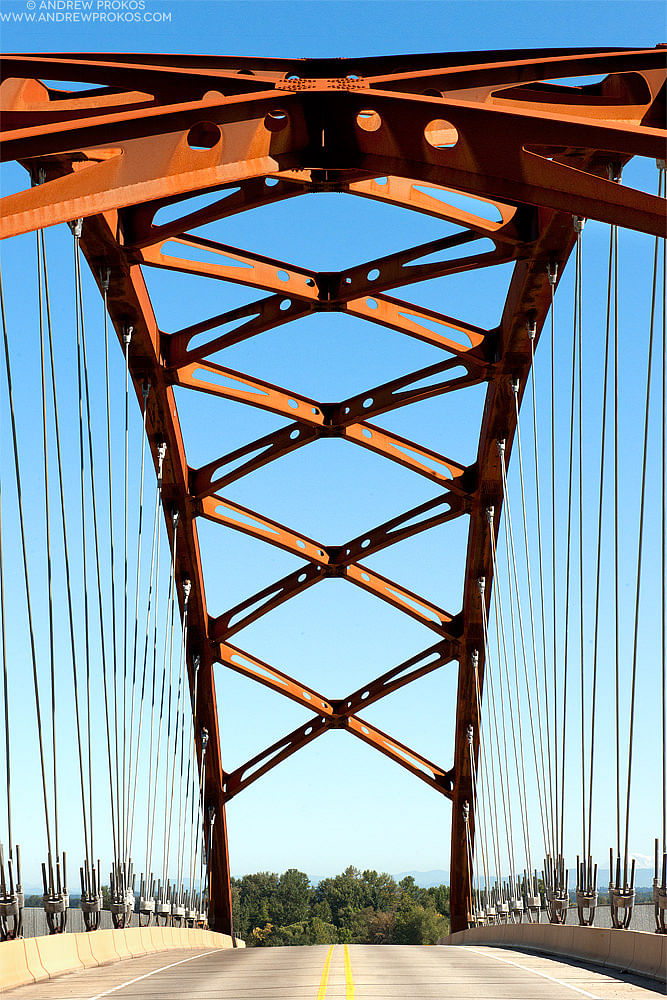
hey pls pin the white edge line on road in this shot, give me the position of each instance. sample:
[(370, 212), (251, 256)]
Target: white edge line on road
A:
[(147, 975), (535, 972)]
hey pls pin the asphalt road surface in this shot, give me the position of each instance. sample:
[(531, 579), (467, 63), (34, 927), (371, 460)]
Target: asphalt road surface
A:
[(342, 972)]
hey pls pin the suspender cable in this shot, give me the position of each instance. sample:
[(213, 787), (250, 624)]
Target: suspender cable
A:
[(98, 572), (169, 639), (487, 788), (617, 615), (154, 545), (540, 725), (112, 577), (5, 681), (63, 519), (514, 577), (47, 526), (195, 766), (598, 572), (640, 551), (177, 728), (577, 286), (162, 450), (503, 772), (547, 710), (554, 576), (518, 754), (128, 838), (127, 336), (663, 532), (170, 616), (26, 580)]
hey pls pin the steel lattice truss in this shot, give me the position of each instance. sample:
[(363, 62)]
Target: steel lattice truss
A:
[(158, 129)]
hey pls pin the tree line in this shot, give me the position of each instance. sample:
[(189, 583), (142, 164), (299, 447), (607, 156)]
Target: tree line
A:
[(351, 908)]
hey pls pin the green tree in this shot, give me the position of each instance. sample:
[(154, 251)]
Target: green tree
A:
[(293, 897), (418, 925)]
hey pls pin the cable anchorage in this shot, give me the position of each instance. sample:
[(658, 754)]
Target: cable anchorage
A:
[(11, 897), (660, 890), (621, 892), (586, 892)]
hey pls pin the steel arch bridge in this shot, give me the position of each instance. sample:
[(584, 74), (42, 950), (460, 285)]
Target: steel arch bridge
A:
[(412, 131)]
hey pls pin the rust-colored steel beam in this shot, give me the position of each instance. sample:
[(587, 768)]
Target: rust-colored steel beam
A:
[(417, 132)]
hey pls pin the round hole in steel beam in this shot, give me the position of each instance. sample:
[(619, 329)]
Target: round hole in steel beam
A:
[(373, 274), (276, 120), (441, 134), (295, 434), (366, 433), (310, 282), (302, 577), (365, 695), (271, 182), (369, 120), (366, 542), (283, 275), (285, 304), (372, 303), (204, 135), (367, 402), (293, 403)]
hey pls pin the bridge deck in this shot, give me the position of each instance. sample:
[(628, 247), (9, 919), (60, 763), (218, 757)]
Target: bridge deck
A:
[(359, 972)]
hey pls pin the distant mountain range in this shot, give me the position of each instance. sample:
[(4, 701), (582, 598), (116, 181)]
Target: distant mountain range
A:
[(425, 880), (643, 878)]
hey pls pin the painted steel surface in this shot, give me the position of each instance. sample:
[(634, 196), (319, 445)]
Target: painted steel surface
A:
[(493, 126)]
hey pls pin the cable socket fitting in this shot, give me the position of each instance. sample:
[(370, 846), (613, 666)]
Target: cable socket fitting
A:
[(127, 335), (514, 383), (500, 445), (466, 811), (105, 278), (187, 587), (578, 222), (204, 739), (470, 733), (161, 453), (196, 663), (552, 272), (174, 518), (76, 227), (481, 585), (490, 513), (531, 327)]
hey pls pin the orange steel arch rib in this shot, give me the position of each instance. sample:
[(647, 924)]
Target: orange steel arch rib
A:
[(153, 130)]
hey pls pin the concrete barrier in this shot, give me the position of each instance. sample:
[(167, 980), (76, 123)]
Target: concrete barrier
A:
[(33, 963), (33, 960), (58, 954), (85, 950), (15, 971), (628, 951)]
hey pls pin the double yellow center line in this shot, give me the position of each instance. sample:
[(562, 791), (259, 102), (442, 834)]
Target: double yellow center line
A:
[(349, 982)]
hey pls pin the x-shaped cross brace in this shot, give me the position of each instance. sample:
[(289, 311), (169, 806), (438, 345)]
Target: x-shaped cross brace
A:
[(337, 715)]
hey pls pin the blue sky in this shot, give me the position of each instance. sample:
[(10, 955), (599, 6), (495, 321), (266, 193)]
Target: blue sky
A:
[(337, 802)]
